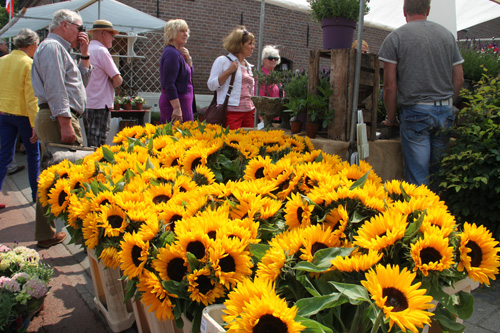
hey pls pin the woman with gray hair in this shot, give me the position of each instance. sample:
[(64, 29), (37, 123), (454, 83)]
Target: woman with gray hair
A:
[(270, 59), (18, 106), (176, 98)]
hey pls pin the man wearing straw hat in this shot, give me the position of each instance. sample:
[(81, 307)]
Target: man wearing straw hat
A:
[(101, 88)]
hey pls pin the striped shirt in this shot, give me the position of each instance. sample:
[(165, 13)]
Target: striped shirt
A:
[(246, 104)]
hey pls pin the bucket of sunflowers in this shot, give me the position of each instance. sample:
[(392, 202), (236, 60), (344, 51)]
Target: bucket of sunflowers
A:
[(24, 282), (285, 237)]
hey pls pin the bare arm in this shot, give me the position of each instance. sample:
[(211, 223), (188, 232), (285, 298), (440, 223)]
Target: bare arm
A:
[(457, 79), (177, 112), (117, 80), (390, 92), (67, 132)]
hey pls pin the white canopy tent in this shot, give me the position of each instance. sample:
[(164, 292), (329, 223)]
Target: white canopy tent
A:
[(124, 18), (388, 14)]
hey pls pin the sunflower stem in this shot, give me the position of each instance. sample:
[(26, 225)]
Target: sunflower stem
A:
[(378, 322)]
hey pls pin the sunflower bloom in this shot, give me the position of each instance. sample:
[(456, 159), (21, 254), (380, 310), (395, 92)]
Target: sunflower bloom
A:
[(432, 253), (382, 231), (202, 288), (402, 302), (478, 253), (155, 297), (133, 254)]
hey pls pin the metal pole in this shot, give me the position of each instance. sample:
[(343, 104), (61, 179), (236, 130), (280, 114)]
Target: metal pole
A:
[(259, 55), (99, 10), (357, 71)]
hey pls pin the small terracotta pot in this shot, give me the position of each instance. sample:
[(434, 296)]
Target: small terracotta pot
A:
[(312, 129), (127, 106), (296, 126), (138, 106), (117, 106)]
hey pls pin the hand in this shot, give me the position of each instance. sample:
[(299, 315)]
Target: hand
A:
[(177, 115), (83, 39), (185, 54), (388, 123), (34, 137), (234, 66), (68, 134)]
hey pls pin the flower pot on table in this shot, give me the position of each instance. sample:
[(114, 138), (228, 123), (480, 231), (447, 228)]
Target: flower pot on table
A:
[(109, 295), (338, 32), (295, 126), (117, 106), (312, 130), (138, 106), (127, 106)]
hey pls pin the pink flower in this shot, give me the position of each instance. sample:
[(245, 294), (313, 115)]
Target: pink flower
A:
[(35, 288), (9, 284)]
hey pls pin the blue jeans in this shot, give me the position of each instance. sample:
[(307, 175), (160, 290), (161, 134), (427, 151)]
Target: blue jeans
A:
[(10, 126), (424, 138)]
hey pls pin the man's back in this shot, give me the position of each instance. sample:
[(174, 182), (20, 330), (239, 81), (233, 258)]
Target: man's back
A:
[(425, 53)]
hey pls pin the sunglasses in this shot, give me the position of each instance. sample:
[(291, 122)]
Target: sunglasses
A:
[(79, 27), (270, 58)]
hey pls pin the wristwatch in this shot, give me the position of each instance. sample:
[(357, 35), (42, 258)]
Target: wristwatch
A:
[(85, 57), (390, 122)]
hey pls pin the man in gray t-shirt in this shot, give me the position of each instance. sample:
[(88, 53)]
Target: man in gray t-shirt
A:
[(423, 74)]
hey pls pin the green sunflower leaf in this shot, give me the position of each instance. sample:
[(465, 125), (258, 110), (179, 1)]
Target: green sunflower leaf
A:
[(312, 326), (258, 250), (355, 293), (312, 305)]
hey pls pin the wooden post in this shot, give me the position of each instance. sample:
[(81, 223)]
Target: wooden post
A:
[(313, 74), (338, 100)]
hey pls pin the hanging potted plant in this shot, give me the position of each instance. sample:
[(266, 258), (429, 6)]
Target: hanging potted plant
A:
[(268, 107), (338, 20)]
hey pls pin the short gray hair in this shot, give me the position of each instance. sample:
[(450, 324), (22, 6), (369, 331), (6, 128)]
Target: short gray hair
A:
[(2, 41), (172, 28), (417, 7), (271, 51), (63, 15), (25, 38)]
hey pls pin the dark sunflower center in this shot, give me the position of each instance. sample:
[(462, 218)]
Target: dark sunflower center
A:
[(174, 219), (77, 186), (259, 173), (233, 237), (204, 284), (196, 162), (308, 182), (270, 324), (62, 198), (105, 202), (197, 249), (476, 254), (396, 299), (429, 255), (161, 180), (115, 221), (175, 162), (227, 264), (176, 269), (182, 189), (162, 198), (316, 247), (300, 211), (234, 142), (212, 234), (136, 254)]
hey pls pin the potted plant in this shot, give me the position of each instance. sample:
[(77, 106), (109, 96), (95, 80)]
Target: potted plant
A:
[(268, 107), (24, 282), (137, 102), (117, 103), (126, 102), (296, 107), (318, 112), (295, 85), (338, 20)]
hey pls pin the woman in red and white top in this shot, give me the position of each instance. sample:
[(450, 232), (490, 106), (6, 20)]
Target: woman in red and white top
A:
[(240, 110)]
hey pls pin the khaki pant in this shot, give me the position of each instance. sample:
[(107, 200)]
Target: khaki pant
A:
[(49, 130)]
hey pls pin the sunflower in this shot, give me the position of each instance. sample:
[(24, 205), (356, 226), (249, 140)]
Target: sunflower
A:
[(432, 253), (155, 297), (194, 157), (357, 261), (170, 263), (110, 258), (77, 210), (337, 219), (202, 288), (254, 307), (90, 230), (402, 302), (316, 238), (196, 242), (202, 175), (298, 211), (269, 267), (382, 231), (159, 195), (59, 197), (257, 168), (100, 199), (133, 255), (438, 220), (478, 253), (113, 220), (230, 261)]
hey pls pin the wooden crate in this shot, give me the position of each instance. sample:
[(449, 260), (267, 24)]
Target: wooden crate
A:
[(342, 70)]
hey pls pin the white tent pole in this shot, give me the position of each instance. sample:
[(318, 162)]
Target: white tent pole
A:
[(259, 55), (357, 71), (99, 9)]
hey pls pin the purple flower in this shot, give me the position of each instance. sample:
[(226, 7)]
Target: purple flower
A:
[(9, 284), (35, 288)]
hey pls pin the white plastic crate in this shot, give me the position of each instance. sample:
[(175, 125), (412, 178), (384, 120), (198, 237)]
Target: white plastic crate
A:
[(211, 319)]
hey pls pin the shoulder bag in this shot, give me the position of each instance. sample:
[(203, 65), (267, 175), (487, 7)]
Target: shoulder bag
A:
[(217, 114)]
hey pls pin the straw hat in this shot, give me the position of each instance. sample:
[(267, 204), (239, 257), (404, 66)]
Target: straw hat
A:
[(103, 25)]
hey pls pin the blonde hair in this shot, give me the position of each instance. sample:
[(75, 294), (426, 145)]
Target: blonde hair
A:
[(172, 28), (233, 43)]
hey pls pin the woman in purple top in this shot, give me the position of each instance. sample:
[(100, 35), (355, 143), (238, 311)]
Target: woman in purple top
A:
[(176, 99)]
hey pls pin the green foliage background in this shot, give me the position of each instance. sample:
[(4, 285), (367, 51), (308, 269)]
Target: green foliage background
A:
[(470, 173)]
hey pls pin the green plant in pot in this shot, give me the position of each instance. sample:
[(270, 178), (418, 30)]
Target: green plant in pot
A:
[(295, 86), (338, 20), (318, 112)]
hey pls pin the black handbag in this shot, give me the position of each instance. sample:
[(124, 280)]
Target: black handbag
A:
[(217, 114)]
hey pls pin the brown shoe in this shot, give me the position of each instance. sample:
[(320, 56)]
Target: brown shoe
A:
[(58, 238)]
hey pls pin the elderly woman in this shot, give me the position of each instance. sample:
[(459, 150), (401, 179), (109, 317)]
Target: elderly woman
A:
[(18, 106), (270, 59), (176, 99), (240, 110)]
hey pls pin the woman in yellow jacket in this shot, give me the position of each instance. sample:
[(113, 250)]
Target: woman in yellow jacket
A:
[(18, 106)]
